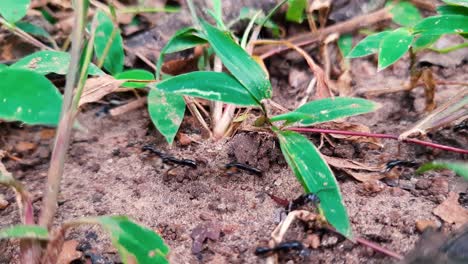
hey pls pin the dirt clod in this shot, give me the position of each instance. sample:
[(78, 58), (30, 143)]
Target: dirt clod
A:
[(423, 224), (203, 231), (423, 184), (439, 186)]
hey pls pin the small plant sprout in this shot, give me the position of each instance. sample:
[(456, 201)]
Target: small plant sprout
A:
[(39, 243), (415, 35)]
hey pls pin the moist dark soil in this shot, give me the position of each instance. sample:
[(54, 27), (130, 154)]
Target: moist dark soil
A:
[(107, 173)]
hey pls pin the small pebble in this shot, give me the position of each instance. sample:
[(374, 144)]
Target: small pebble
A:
[(423, 224), (3, 202), (423, 184), (406, 185), (329, 240)]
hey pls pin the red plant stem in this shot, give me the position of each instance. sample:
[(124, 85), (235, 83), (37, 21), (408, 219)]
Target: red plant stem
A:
[(378, 248), (374, 135)]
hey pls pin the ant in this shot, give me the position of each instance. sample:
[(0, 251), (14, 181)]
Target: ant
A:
[(303, 200), (170, 159), (235, 166), (404, 163), (282, 247)]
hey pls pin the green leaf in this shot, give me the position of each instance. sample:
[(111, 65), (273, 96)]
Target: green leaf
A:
[(368, 45), (217, 13), (345, 44), (114, 60), (136, 74), (452, 10), (393, 46), (445, 24), (33, 29), (295, 11), (315, 176), (216, 86), (48, 61), (167, 112), (28, 97), (183, 39), (13, 10), (242, 66), (3, 66), (25, 231), (457, 2), (460, 168), (424, 41), (405, 14), (134, 241), (327, 109)]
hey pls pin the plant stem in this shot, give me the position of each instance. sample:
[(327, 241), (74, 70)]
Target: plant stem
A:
[(374, 135), (107, 47), (450, 49), (144, 9), (66, 121), (20, 33), (216, 107), (340, 28), (378, 248)]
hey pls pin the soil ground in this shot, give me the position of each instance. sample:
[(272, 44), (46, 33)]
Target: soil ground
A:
[(107, 173)]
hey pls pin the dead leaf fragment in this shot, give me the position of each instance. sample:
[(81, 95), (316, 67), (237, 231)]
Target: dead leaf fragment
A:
[(96, 88), (24, 146), (354, 128), (69, 252), (451, 211), (366, 173)]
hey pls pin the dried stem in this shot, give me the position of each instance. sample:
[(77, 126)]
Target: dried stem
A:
[(340, 28), (374, 135), (66, 121), (323, 89)]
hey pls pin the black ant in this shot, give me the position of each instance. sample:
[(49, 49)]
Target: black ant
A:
[(303, 200), (170, 159), (245, 167), (282, 247), (403, 163)]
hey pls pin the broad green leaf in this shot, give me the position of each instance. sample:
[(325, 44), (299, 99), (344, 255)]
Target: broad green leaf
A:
[(327, 109), (183, 39), (167, 112), (48, 61), (345, 44), (295, 11), (242, 66), (457, 2), (445, 24), (136, 74), (3, 66), (28, 97), (25, 231), (216, 86), (315, 176), (13, 10), (33, 29), (460, 168), (134, 241), (109, 34), (405, 14), (393, 46), (424, 41), (368, 46), (452, 10)]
